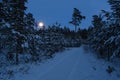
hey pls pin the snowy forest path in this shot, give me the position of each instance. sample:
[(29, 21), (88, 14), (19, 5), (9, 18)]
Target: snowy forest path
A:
[(74, 64)]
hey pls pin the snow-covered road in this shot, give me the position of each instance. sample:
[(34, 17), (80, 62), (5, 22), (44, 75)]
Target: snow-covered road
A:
[(73, 64)]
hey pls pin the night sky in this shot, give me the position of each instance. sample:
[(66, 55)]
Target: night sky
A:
[(52, 11)]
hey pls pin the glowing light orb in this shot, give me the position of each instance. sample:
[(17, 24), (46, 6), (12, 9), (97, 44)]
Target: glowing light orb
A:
[(41, 25)]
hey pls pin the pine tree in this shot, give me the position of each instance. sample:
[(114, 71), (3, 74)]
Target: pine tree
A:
[(13, 16), (76, 18)]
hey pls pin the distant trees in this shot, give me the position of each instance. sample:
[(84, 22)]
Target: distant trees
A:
[(83, 33), (76, 18)]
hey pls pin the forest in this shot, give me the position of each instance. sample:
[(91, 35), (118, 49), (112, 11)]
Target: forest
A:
[(21, 42)]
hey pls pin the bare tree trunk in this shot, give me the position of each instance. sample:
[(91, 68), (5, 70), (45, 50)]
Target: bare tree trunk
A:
[(75, 28), (17, 51), (17, 58)]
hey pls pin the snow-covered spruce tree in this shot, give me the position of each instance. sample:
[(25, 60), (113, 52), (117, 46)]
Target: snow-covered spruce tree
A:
[(5, 30), (96, 40), (113, 30), (13, 18), (17, 20), (99, 36), (105, 39), (114, 18)]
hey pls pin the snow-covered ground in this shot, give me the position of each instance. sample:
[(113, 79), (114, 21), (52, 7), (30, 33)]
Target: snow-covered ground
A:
[(72, 64)]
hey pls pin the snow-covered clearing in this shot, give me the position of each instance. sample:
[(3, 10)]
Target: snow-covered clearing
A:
[(73, 64)]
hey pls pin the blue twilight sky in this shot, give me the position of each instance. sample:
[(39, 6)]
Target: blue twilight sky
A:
[(50, 11)]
